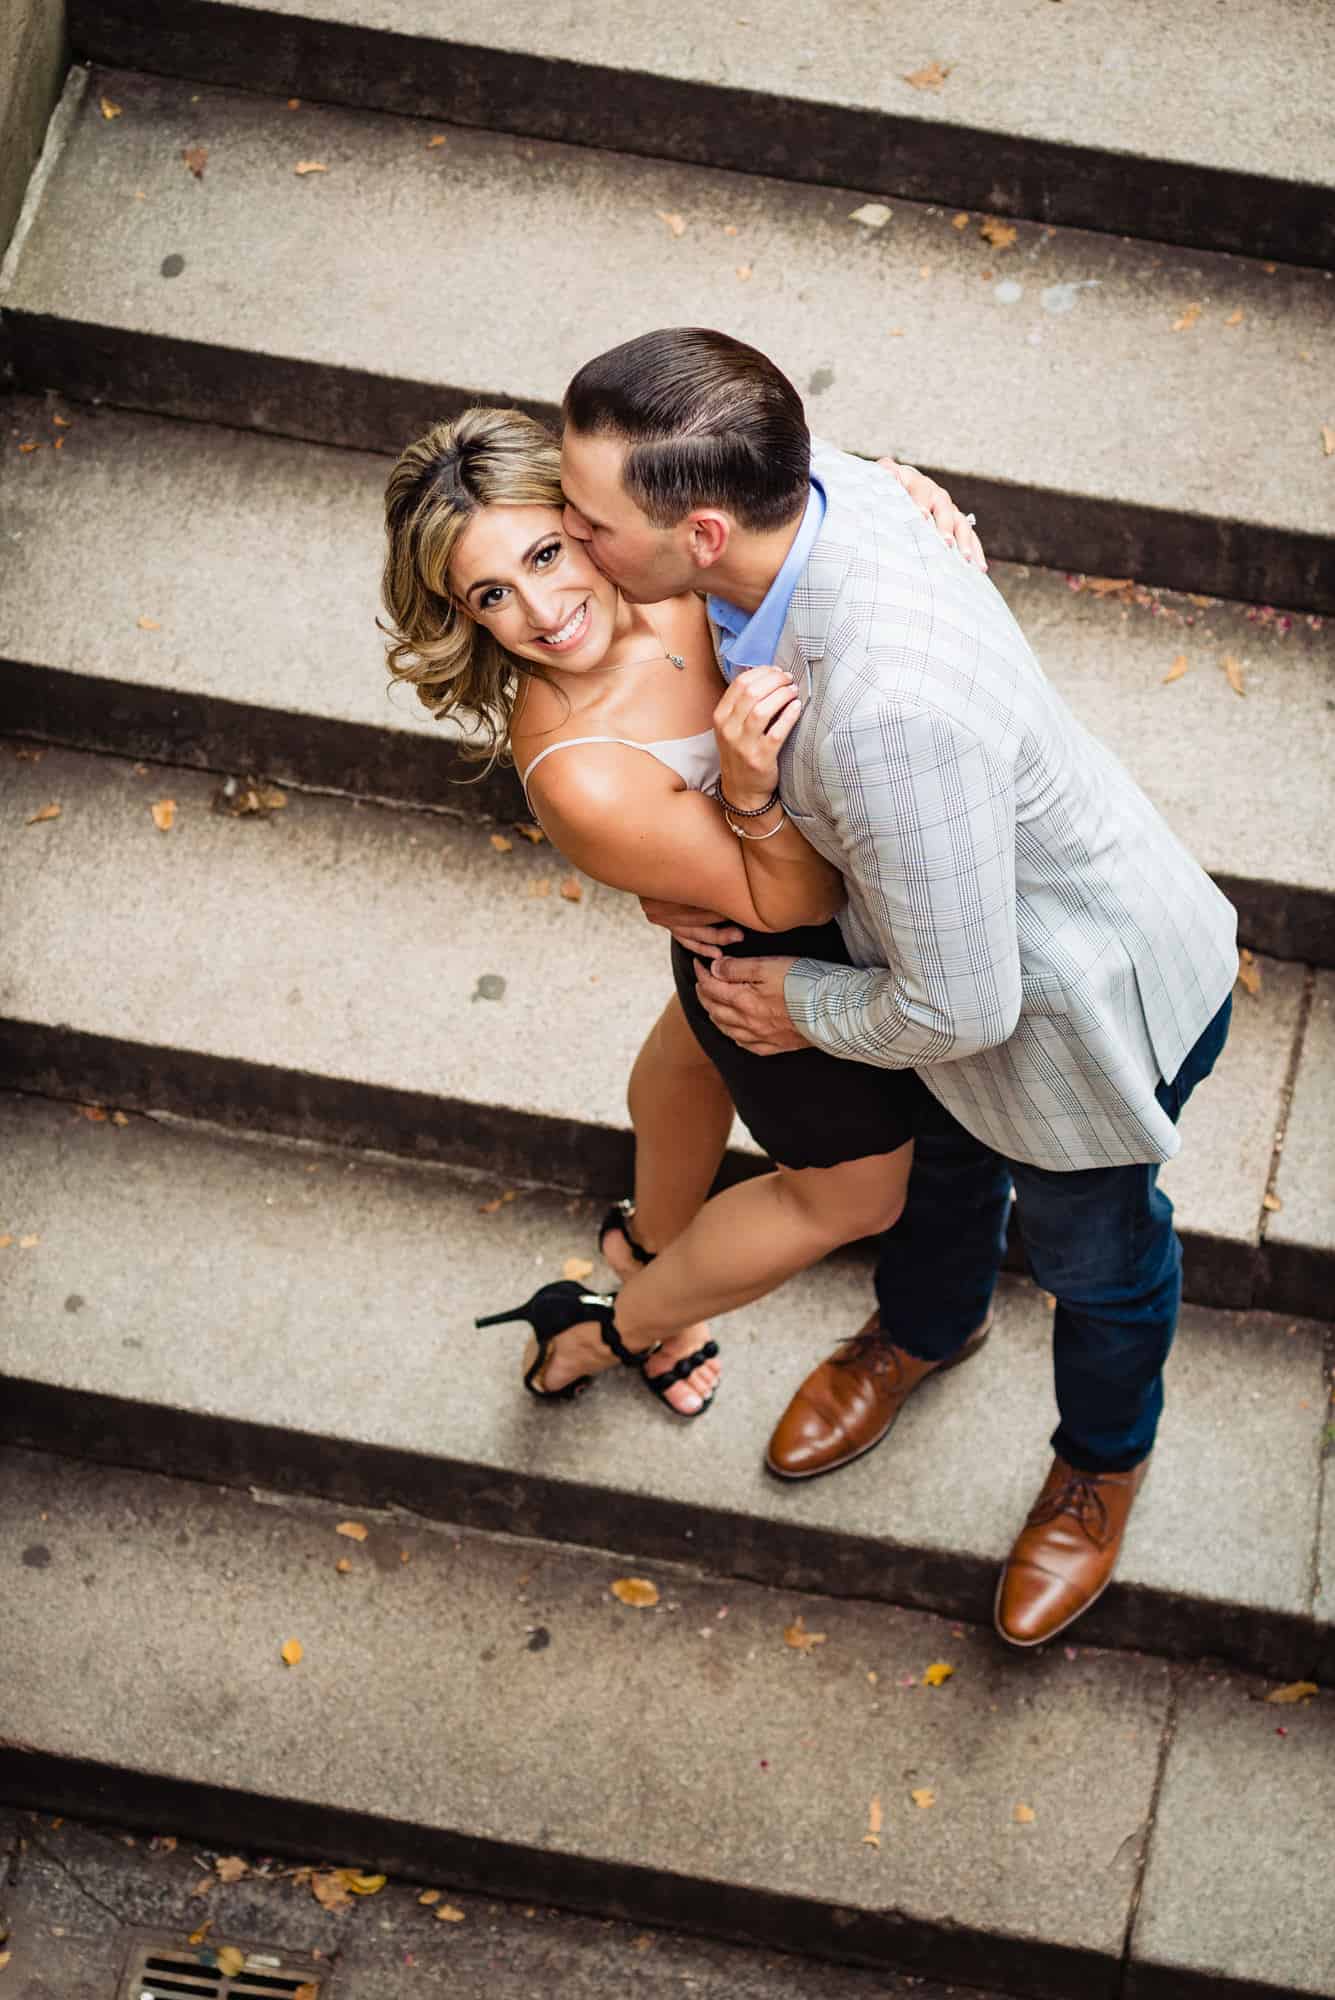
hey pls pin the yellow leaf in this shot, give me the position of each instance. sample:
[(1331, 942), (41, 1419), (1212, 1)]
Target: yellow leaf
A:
[(1235, 318), (44, 813), (542, 887), (931, 77), (533, 834), (294, 104), (1107, 586), (797, 1636), (576, 1267), (436, 139), (1023, 1815), (1178, 668), (354, 1530), (330, 1891), (198, 1937), (108, 109), (1233, 668), (960, 221), (1188, 317), (1272, 1202), (676, 223), (744, 273), (196, 158), (1295, 1691), (307, 1991), (1201, 603), (428, 1897), (923, 1797), (364, 1885), (164, 814), (310, 167), (147, 624), (936, 1673), (119, 1118), (5, 1242), (501, 844), (343, 1567), (29, 1242), (497, 1201), (872, 215), (636, 1591), (93, 1113), (230, 1868), (1001, 235), (1328, 440), (871, 1838), (31, 446), (293, 1653), (448, 1914), (1249, 972), (230, 1960), (571, 889)]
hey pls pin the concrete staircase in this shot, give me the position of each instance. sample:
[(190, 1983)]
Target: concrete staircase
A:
[(289, 1096)]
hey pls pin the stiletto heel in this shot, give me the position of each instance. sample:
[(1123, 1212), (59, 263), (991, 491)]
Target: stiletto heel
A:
[(552, 1311)]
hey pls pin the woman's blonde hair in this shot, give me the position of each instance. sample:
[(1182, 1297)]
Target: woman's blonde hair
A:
[(485, 458)]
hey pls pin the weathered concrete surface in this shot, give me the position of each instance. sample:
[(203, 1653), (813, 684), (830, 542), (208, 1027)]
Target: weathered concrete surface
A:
[(1010, 395), (259, 557), (1299, 1234), (1239, 1885), (1147, 120), (237, 971), (32, 62), (73, 1878), (330, 1302), (425, 1731)]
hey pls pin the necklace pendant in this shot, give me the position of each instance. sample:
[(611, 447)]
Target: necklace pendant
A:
[(678, 661)]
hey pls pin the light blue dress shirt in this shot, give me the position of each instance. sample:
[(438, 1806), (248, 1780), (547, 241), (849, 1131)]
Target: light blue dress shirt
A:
[(752, 640)]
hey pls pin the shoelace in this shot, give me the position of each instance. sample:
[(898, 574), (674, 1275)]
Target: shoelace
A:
[(873, 1348), (1078, 1495)]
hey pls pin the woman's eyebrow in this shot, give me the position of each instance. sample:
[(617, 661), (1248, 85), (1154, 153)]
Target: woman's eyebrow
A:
[(494, 582)]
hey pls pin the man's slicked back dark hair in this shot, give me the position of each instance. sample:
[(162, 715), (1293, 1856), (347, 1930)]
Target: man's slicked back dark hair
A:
[(708, 422)]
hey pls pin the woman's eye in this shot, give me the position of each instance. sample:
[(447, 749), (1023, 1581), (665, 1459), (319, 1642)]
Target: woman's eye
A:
[(547, 555), (489, 600)]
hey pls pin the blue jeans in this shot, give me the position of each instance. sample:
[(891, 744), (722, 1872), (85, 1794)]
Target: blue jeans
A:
[(1101, 1240)]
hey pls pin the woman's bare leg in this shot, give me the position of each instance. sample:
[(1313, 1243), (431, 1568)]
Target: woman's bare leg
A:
[(682, 1114), (741, 1245)]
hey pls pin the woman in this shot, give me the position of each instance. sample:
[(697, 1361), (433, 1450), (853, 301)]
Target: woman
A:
[(652, 776)]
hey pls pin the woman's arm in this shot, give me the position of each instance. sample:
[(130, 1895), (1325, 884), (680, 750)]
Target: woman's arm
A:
[(615, 813)]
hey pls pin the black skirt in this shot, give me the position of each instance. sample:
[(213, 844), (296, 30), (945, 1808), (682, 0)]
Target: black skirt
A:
[(807, 1108)]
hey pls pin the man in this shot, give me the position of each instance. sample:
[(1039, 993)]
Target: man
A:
[(1024, 930)]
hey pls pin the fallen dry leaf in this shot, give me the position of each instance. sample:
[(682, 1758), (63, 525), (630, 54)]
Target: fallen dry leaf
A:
[(676, 223), (5, 1242), (29, 1242), (164, 814), (931, 77), (436, 139), (533, 834), (448, 1914), (923, 1797), (872, 215), (1235, 318), (33, 444), (51, 811), (5, 1957), (497, 1201), (1107, 586), (797, 1636), (1001, 235), (307, 1991), (637, 1591), (1233, 668), (119, 1118), (576, 1267), (93, 1113), (960, 221), (204, 1886), (147, 624), (571, 889), (1178, 668), (247, 799), (428, 1897), (1249, 972), (1295, 1691), (1201, 603), (108, 109), (937, 1673), (330, 1890), (745, 273), (310, 167), (354, 1530), (57, 444), (198, 1937), (363, 1885), (1272, 1203), (230, 1960), (343, 1567), (293, 1653), (540, 888), (196, 158), (872, 1837), (294, 104), (1328, 440), (500, 843), (1023, 1815), (1188, 317)]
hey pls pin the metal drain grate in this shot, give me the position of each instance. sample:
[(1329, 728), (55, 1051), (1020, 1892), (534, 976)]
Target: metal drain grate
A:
[(161, 1969)]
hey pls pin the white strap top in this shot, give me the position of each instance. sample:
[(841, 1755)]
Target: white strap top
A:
[(695, 759)]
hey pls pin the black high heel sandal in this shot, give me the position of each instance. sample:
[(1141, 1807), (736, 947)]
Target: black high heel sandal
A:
[(552, 1311), (619, 1217)]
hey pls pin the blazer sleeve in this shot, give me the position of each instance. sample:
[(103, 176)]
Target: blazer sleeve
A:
[(923, 813)]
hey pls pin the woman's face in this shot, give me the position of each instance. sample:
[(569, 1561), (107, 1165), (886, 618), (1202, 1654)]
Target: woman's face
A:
[(516, 571)]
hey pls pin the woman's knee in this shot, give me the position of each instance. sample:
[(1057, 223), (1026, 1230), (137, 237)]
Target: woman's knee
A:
[(845, 1203)]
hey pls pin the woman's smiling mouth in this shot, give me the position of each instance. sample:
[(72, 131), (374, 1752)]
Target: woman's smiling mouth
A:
[(570, 634)]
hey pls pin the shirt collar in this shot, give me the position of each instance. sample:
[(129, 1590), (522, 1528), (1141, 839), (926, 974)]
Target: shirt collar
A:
[(752, 640)]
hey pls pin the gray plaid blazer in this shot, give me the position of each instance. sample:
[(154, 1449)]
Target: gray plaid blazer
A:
[(1030, 935)]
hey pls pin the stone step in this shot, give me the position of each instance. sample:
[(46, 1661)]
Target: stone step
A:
[(236, 970), (1096, 401), (65, 1878), (281, 1317), (483, 1711), (235, 677), (1144, 120)]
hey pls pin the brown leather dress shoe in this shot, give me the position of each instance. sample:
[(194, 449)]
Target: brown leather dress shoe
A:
[(1066, 1551), (848, 1404)]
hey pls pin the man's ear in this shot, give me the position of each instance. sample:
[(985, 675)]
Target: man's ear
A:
[(710, 534)]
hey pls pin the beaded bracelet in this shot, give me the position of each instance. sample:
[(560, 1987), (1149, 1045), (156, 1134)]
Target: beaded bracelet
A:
[(746, 812), (742, 834)]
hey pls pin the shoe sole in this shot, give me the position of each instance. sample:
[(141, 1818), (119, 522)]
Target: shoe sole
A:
[(966, 1353)]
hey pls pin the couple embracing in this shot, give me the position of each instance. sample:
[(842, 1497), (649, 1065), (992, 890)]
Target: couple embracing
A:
[(930, 940)]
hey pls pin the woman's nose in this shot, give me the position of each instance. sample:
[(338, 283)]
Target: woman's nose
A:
[(542, 606)]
